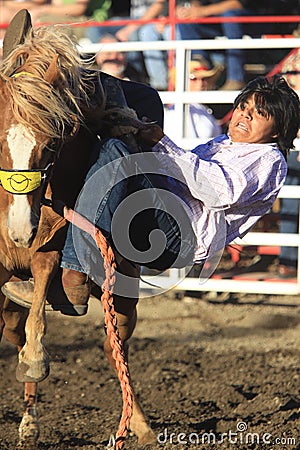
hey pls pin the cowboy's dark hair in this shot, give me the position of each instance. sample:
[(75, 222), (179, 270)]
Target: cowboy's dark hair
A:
[(276, 99)]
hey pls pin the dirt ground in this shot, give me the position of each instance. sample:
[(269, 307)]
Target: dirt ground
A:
[(213, 372)]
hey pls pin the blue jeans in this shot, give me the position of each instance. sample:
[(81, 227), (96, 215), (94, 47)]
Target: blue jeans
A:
[(289, 212), (234, 57), (128, 199), (156, 61)]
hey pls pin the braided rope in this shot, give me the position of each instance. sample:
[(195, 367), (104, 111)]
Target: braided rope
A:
[(110, 320)]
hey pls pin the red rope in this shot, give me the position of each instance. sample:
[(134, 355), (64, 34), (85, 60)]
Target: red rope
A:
[(110, 319)]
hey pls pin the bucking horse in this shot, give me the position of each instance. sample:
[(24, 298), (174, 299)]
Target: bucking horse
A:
[(53, 111)]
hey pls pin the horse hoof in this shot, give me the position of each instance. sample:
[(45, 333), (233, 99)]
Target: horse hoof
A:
[(29, 431), (34, 372), (147, 438)]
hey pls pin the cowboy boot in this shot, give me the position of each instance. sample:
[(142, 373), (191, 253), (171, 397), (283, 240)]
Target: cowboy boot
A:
[(68, 293)]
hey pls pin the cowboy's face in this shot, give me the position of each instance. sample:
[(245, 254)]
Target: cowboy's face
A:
[(251, 125)]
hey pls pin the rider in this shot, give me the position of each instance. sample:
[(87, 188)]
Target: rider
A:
[(201, 200)]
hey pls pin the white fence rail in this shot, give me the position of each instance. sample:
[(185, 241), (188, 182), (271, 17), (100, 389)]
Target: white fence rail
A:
[(176, 277)]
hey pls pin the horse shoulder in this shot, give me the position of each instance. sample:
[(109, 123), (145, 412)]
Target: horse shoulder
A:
[(51, 231)]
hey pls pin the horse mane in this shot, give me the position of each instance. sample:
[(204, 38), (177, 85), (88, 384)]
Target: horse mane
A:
[(47, 108)]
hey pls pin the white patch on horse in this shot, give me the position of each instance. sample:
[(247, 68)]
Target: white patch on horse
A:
[(21, 143)]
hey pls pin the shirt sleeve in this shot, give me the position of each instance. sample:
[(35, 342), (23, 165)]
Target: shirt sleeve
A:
[(220, 183)]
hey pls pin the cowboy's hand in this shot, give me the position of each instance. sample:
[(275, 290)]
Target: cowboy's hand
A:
[(150, 133)]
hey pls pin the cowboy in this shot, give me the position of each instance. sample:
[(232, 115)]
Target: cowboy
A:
[(184, 206)]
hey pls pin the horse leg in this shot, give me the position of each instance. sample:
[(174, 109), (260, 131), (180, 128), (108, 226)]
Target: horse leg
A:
[(125, 309), (33, 363), (14, 319), (29, 429), (2, 323), (12, 316)]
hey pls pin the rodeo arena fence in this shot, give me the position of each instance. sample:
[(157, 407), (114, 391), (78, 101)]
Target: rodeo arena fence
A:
[(179, 54)]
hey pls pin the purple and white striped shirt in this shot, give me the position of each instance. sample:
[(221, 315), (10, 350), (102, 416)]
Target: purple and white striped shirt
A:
[(230, 186)]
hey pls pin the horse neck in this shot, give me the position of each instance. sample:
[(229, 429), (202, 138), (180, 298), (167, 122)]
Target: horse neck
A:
[(71, 167)]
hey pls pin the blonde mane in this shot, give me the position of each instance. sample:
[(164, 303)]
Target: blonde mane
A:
[(48, 109)]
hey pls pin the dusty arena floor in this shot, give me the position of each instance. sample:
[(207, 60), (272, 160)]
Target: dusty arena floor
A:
[(205, 369)]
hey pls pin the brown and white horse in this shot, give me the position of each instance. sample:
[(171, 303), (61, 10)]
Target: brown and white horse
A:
[(47, 127)]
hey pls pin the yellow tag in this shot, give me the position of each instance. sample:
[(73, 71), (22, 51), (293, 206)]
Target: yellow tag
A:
[(20, 182), (27, 74)]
